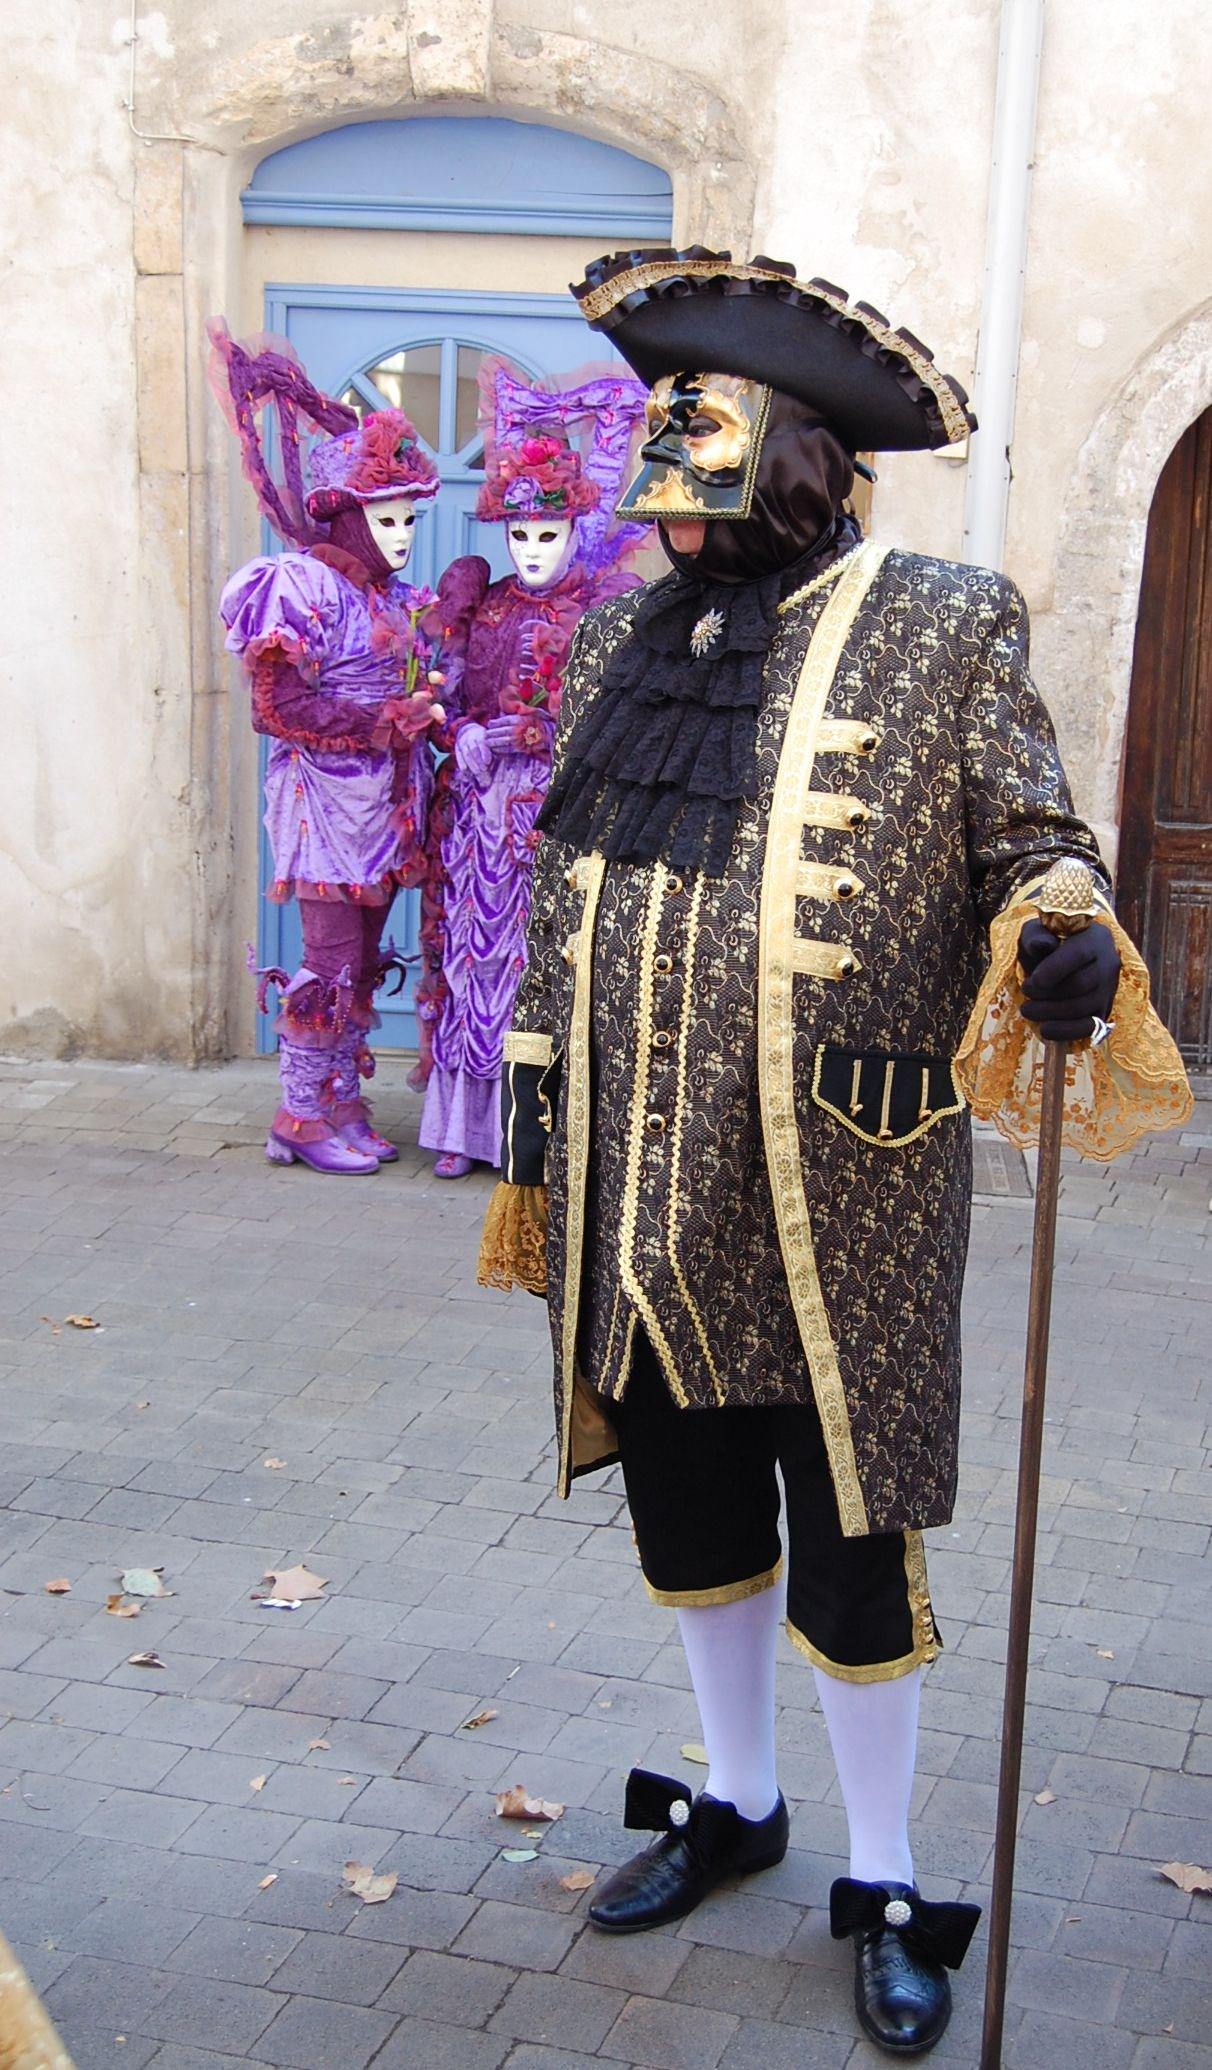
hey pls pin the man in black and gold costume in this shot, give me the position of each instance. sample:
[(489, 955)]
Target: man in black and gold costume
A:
[(784, 931)]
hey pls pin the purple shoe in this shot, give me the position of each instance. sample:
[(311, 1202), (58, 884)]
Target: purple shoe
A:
[(451, 1166), (351, 1120), (328, 1152)]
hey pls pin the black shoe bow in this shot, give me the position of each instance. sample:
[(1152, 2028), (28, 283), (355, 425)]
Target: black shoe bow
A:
[(936, 1932), (700, 1843), (655, 1803)]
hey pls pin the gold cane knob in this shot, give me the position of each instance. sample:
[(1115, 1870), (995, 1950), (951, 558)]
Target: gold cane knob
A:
[(1066, 897)]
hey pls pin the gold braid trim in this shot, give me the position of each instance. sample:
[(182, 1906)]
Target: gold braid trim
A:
[(513, 1247), (1134, 1081)]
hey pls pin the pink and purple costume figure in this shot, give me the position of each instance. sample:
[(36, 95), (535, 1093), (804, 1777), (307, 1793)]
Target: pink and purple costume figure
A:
[(506, 644), (343, 680)]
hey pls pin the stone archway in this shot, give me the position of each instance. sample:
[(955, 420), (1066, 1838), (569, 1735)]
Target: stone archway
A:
[(1089, 636), (225, 109)]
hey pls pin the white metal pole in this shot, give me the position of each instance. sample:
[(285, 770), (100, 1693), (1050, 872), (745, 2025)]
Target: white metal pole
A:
[(989, 467)]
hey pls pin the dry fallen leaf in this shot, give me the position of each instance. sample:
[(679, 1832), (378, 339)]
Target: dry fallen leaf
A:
[(82, 1322), (317, 1746), (57, 1588), (55, 1327), (274, 1463), (258, 1782), (346, 1782), (1045, 1796), (580, 1879), (267, 1880), (144, 1581), (361, 1879), (481, 1718), (1102, 1653), (119, 1607), (1196, 1882), (517, 1803), (296, 1584), (694, 1752), (144, 1660)]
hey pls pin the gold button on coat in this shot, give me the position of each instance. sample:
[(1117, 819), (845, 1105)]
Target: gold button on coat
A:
[(655, 1124), (663, 964), (662, 1039)]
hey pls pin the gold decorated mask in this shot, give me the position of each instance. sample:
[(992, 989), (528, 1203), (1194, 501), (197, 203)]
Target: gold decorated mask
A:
[(700, 455)]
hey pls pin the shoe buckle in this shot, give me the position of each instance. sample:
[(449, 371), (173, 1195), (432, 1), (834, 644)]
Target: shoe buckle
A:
[(897, 1912), (679, 1813)]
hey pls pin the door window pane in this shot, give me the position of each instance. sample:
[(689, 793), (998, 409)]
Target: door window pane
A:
[(408, 381)]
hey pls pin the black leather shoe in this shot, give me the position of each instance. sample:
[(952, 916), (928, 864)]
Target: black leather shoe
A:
[(903, 1950), (701, 1843)]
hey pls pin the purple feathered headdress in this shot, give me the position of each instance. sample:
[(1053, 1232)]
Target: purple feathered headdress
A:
[(359, 462), (518, 419)]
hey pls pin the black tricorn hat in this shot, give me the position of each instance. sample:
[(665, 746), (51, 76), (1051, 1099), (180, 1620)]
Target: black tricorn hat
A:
[(700, 311)]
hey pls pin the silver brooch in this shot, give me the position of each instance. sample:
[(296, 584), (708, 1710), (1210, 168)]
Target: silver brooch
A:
[(706, 633), (679, 1812), (897, 1912)]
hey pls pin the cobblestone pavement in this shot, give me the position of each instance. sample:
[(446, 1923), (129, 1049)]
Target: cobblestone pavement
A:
[(285, 1369)]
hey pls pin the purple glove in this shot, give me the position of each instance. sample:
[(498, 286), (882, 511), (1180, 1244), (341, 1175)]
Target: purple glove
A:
[(472, 752), (519, 733), (1067, 983)]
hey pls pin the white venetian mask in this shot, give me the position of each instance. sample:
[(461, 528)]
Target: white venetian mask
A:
[(393, 527), (540, 549)]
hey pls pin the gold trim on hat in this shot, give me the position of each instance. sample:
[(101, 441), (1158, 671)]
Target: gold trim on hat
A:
[(601, 300)]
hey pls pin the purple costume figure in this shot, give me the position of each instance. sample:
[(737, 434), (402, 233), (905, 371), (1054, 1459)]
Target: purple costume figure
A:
[(508, 643), (343, 681)]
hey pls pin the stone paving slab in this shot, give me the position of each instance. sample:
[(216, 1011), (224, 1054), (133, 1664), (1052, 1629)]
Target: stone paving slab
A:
[(172, 1838)]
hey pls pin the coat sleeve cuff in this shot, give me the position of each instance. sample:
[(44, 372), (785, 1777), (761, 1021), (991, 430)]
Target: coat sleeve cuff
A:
[(1133, 1083), (524, 1048)]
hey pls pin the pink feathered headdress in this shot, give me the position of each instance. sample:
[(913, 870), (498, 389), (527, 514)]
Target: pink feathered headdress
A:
[(381, 457)]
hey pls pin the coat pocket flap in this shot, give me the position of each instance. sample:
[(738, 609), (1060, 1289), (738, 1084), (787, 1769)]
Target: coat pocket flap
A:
[(887, 1100)]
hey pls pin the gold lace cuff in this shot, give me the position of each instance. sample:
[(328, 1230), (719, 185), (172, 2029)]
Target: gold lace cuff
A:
[(513, 1247), (1134, 1081)]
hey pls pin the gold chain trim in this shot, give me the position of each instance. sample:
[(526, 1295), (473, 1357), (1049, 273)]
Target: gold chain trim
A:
[(600, 301), (521, 1048), (635, 1141), (576, 1131), (776, 1055), (821, 581)]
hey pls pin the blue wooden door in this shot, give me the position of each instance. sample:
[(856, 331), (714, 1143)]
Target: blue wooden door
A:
[(421, 353)]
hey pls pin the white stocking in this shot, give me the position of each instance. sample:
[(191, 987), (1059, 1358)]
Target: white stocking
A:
[(730, 1651), (873, 1733)]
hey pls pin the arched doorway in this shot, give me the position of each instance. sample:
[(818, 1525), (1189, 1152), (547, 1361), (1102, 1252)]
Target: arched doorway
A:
[(463, 216), (1164, 894)]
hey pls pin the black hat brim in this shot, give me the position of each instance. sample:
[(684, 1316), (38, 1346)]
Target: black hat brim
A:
[(676, 312)]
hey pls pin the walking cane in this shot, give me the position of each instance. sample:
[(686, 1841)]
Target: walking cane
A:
[(1066, 906)]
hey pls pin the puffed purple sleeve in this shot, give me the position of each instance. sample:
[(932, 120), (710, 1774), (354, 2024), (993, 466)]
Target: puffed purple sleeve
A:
[(287, 601), (283, 617)]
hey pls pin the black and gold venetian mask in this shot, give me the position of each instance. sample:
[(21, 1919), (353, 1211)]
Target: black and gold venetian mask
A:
[(703, 444)]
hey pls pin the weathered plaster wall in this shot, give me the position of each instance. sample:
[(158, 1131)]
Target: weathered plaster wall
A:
[(851, 135), (92, 859)]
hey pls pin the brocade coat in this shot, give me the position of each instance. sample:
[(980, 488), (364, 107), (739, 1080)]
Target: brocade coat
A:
[(758, 1150)]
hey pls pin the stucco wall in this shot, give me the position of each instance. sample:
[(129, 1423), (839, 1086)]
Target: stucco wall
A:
[(850, 135)]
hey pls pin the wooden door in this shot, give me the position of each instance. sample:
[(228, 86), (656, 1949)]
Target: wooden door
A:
[(1164, 893)]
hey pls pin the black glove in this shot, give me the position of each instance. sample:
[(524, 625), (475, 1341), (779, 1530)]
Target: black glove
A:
[(1067, 982)]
